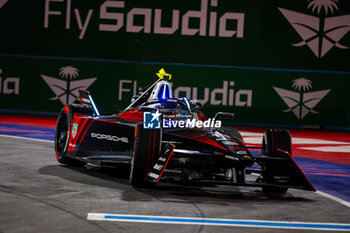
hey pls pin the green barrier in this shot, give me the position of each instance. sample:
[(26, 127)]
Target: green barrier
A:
[(275, 62), (47, 84), (289, 34), (254, 95)]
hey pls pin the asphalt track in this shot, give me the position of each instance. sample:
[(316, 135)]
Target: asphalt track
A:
[(39, 195)]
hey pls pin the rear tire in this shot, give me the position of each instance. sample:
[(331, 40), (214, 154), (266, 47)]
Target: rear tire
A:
[(146, 150), (275, 140)]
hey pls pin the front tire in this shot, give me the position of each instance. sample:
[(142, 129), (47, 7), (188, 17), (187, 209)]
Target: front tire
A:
[(275, 140), (146, 151), (62, 136), (274, 191)]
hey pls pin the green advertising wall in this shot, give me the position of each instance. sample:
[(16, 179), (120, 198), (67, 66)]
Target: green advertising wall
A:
[(269, 62)]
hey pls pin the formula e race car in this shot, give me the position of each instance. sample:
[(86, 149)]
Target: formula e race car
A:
[(164, 138)]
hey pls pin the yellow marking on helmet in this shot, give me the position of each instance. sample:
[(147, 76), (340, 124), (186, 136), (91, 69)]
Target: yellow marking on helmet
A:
[(163, 75)]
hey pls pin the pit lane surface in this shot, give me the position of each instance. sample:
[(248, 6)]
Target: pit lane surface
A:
[(39, 195)]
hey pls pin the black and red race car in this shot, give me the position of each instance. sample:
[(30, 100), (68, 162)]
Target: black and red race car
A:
[(167, 138)]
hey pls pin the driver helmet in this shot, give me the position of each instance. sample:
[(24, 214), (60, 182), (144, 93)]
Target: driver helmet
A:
[(161, 91)]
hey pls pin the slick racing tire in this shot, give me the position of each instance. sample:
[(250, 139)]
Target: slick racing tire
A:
[(232, 132), (62, 136), (274, 191), (82, 109), (63, 131), (275, 140), (146, 151)]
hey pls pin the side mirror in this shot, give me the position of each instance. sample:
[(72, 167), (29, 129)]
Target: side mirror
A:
[(225, 115), (197, 105)]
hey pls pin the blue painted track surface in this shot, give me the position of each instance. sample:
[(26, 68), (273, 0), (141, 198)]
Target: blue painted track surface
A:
[(329, 177), (26, 131)]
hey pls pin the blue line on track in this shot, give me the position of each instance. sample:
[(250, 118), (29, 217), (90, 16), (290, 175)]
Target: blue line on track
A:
[(246, 223)]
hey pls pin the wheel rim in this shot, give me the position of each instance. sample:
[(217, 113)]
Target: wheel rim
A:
[(62, 134)]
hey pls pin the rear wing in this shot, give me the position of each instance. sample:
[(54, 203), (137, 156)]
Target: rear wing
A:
[(86, 99)]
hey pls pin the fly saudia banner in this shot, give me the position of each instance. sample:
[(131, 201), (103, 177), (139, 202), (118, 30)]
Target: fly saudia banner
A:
[(306, 34)]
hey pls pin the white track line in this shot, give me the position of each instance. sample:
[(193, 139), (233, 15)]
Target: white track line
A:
[(341, 201), (30, 139)]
